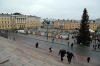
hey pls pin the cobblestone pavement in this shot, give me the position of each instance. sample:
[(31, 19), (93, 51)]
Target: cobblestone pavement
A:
[(25, 54)]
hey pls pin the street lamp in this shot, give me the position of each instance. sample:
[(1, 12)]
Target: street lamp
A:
[(46, 22), (95, 36), (36, 25)]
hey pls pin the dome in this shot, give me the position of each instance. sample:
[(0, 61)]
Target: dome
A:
[(16, 13)]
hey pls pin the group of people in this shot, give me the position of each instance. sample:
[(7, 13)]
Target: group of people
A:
[(50, 48), (69, 55), (95, 46), (63, 53)]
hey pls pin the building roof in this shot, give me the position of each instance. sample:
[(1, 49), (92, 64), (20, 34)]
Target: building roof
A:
[(16, 13), (5, 15), (33, 16), (9, 15)]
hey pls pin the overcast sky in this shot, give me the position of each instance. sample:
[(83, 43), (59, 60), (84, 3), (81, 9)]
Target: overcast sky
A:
[(57, 9)]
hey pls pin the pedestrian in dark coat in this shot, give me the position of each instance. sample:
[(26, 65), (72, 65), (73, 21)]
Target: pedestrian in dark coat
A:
[(67, 53), (14, 39), (93, 46), (88, 59), (36, 45), (50, 49), (72, 45), (98, 45), (62, 53), (74, 41), (53, 40), (68, 43), (69, 57)]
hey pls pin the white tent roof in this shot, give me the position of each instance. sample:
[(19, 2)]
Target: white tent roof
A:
[(91, 30)]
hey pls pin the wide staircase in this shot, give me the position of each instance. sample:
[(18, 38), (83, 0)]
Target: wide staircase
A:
[(17, 53)]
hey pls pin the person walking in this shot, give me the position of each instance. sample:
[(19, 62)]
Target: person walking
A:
[(36, 45), (72, 45), (67, 52), (88, 59), (50, 49), (14, 39), (93, 46), (98, 45), (68, 43), (62, 53), (69, 57), (74, 41), (53, 40)]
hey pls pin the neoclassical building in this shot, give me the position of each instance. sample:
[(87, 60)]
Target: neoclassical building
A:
[(18, 21), (72, 24)]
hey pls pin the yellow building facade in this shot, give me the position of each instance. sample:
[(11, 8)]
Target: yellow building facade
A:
[(72, 25), (17, 21), (93, 26)]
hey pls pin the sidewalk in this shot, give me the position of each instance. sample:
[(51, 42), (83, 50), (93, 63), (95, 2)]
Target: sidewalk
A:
[(25, 54)]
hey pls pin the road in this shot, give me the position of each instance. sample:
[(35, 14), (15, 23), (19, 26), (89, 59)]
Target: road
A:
[(86, 51)]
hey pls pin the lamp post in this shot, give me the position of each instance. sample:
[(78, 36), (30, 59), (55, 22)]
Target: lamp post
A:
[(95, 40), (46, 22), (36, 25), (95, 36), (47, 32)]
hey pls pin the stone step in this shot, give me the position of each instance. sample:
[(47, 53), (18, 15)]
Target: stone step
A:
[(25, 55)]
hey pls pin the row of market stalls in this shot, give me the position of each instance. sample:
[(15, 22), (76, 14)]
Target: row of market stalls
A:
[(51, 34)]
